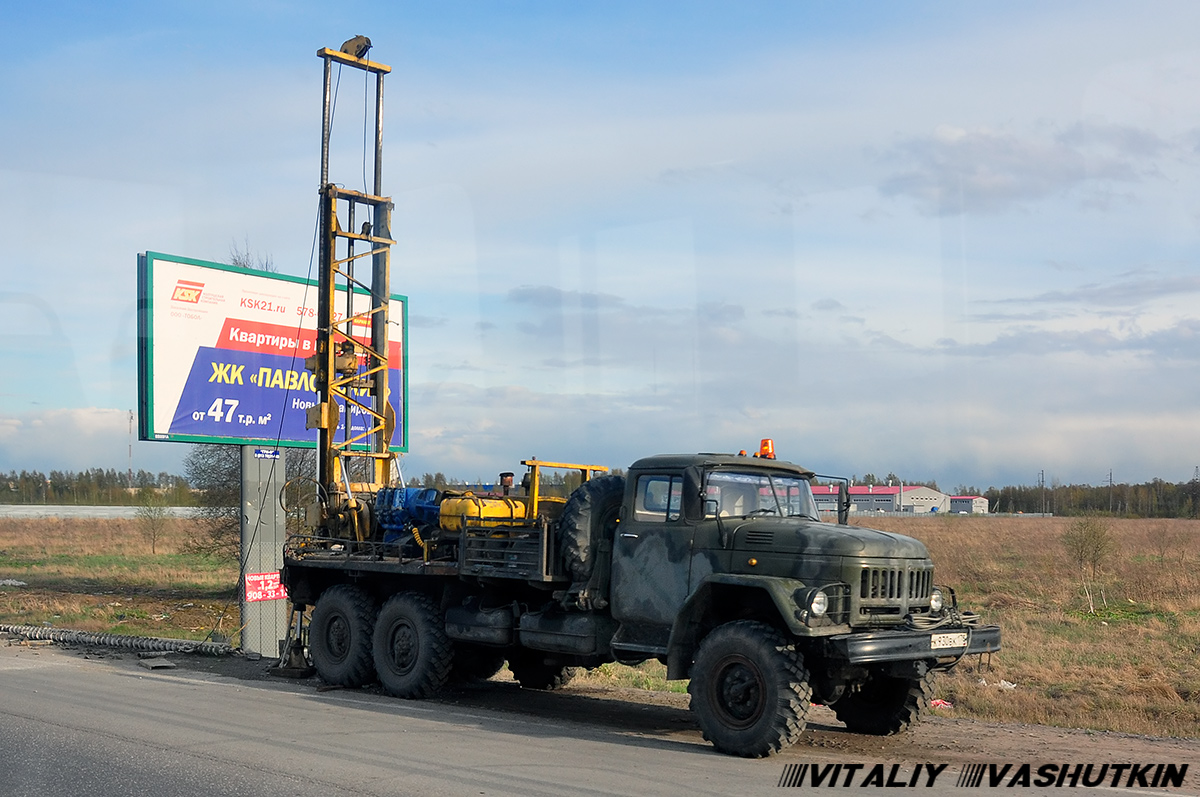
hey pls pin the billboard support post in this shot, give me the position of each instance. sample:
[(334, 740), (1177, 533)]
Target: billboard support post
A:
[(264, 616)]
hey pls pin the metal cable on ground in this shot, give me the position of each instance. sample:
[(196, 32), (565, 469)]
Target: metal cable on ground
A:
[(139, 643)]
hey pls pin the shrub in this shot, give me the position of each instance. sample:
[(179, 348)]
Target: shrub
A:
[(1088, 542)]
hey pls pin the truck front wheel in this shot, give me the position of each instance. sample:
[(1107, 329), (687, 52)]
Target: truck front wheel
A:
[(339, 636), (413, 655), (885, 705), (749, 689)]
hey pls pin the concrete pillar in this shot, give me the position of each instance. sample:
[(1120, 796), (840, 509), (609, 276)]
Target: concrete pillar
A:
[(264, 527)]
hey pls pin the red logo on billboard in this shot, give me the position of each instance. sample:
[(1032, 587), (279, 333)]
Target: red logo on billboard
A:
[(186, 291)]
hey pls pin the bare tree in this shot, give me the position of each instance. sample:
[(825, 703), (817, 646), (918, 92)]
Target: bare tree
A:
[(152, 516), (1089, 543), (300, 489), (247, 258), (216, 472)]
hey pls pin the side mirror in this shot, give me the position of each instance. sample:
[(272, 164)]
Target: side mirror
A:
[(711, 507), (843, 497)]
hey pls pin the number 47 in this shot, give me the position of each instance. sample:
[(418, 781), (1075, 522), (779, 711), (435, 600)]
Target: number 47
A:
[(216, 410)]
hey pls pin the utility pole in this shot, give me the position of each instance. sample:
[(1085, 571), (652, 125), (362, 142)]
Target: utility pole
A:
[(130, 450), (1110, 491), (1195, 491)]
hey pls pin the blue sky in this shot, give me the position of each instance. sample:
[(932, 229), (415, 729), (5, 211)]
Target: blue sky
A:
[(952, 241)]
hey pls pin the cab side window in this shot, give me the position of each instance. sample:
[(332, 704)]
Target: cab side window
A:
[(658, 498)]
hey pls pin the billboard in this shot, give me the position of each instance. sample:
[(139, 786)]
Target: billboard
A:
[(221, 354)]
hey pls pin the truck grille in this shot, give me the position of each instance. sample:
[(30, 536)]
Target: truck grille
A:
[(888, 594), (893, 584)]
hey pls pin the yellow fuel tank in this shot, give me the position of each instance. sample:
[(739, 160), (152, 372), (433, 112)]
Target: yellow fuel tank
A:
[(469, 507)]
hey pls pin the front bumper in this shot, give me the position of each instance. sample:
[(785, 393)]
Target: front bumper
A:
[(870, 647)]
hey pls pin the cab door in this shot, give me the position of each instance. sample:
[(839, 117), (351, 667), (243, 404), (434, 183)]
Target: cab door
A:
[(652, 554)]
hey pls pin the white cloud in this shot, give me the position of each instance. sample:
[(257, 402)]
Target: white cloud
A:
[(1152, 90), (987, 171), (79, 439), (1178, 342), (1126, 293)]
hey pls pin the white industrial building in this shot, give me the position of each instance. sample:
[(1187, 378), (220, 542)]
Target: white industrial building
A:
[(914, 499), (968, 504)]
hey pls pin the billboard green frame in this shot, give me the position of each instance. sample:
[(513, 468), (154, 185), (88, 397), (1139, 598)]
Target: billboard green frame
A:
[(235, 339)]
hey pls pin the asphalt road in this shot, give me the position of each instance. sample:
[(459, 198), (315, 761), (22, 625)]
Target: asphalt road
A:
[(77, 726), (71, 511), (102, 728)]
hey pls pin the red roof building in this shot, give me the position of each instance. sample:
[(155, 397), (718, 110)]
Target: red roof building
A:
[(909, 498)]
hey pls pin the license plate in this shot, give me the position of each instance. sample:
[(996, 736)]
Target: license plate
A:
[(943, 641)]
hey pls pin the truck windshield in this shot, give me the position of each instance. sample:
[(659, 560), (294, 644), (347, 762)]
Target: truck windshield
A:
[(738, 494)]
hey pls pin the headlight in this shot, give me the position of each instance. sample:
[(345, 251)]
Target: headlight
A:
[(818, 604), (936, 602)]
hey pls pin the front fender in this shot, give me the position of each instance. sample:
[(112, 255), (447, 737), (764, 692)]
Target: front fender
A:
[(723, 597)]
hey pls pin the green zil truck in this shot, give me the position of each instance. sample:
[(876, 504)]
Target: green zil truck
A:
[(717, 565)]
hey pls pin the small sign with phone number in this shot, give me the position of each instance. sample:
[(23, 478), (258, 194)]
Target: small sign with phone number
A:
[(264, 587)]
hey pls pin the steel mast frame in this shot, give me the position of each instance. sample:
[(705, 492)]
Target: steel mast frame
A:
[(351, 374)]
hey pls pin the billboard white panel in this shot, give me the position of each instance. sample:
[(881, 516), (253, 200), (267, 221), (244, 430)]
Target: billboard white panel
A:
[(221, 354)]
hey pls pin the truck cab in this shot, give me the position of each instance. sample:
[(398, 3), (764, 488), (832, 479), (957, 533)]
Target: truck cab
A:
[(715, 555), (694, 525)]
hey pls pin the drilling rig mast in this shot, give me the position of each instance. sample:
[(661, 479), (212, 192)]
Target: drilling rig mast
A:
[(350, 366)]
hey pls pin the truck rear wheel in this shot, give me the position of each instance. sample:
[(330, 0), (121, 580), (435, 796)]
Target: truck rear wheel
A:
[(885, 705), (750, 691), (589, 517), (339, 636), (413, 655), (532, 671)]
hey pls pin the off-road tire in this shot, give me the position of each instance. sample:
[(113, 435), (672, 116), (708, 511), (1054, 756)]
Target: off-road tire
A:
[(475, 663), (532, 671), (339, 636), (589, 517), (413, 656), (885, 705), (750, 690)]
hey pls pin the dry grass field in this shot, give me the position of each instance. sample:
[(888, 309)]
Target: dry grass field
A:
[(99, 575), (1128, 661)]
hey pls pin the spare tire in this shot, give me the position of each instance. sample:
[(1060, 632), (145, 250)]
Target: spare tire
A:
[(589, 517)]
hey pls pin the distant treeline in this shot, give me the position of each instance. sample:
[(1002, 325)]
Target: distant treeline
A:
[(1156, 498), (100, 487), (94, 487)]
